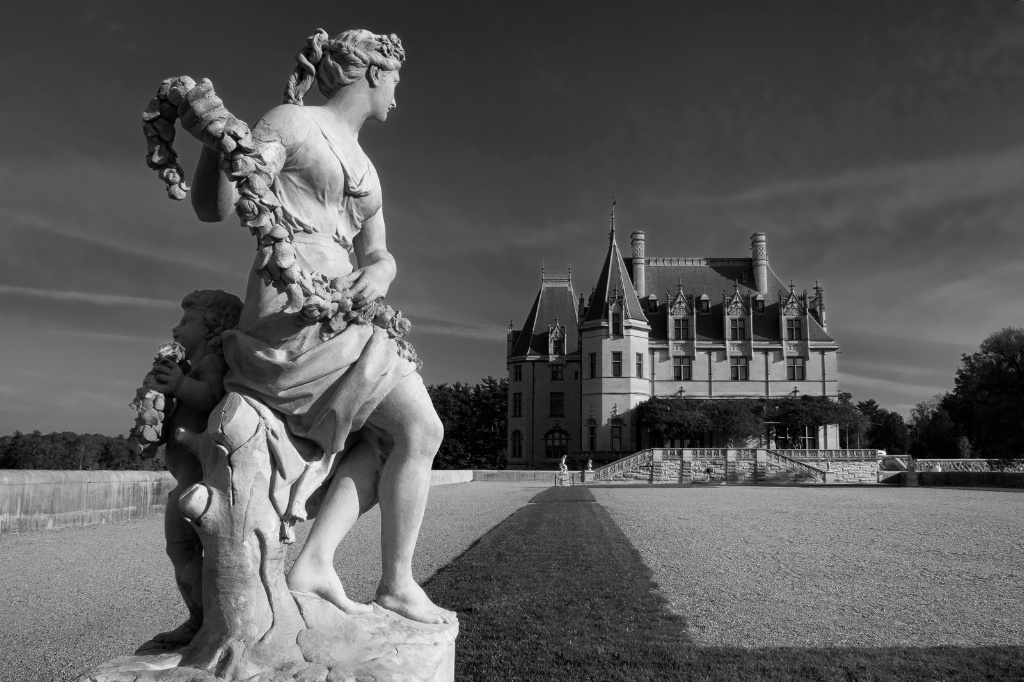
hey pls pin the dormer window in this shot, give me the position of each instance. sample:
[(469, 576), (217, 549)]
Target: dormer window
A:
[(794, 329), (759, 304), (558, 347), (738, 328), (616, 324), (705, 304), (680, 329), (652, 304)]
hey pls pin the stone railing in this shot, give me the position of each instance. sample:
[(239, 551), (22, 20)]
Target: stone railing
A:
[(832, 454), (967, 465), (625, 464)]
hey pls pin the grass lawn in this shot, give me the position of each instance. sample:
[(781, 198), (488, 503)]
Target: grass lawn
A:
[(558, 592)]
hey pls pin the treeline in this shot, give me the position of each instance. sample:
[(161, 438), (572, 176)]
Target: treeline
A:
[(65, 450), (983, 416), (475, 418)]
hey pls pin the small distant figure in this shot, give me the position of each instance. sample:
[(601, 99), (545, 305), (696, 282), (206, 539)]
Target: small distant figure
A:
[(207, 313), (707, 473)]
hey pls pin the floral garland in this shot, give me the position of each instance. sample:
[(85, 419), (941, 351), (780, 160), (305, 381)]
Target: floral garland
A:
[(152, 407), (315, 298)]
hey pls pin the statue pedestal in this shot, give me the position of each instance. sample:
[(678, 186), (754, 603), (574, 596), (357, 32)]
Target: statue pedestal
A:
[(377, 646)]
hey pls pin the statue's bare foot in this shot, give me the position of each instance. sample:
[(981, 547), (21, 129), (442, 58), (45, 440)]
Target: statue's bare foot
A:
[(411, 601), (324, 583), (182, 634)]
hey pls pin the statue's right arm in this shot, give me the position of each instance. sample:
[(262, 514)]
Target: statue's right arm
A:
[(213, 191)]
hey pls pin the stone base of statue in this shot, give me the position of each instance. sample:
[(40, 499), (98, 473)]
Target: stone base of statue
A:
[(376, 646)]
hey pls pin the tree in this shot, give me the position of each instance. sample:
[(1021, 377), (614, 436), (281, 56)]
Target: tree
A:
[(932, 433), (987, 403), (886, 429)]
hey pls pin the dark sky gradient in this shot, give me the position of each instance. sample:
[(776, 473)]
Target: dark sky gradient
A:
[(880, 145)]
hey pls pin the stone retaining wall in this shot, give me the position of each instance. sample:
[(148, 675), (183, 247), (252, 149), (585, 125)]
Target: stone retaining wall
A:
[(849, 472), (40, 500)]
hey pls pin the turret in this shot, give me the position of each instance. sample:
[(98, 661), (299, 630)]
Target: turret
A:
[(759, 257)]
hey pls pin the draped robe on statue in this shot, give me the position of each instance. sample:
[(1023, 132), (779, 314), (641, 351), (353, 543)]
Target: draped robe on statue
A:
[(321, 391)]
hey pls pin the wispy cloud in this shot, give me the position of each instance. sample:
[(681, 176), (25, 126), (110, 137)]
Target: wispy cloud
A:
[(86, 297), (43, 223)]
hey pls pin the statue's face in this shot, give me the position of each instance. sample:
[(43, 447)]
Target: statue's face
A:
[(384, 94), (190, 332)]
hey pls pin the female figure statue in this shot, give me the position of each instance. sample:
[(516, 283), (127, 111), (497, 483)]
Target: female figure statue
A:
[(349, 387)]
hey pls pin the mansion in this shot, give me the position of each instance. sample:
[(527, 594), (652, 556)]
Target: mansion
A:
[(659, 327)]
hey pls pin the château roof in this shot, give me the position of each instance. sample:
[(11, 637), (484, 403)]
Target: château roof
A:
[(613, 282), (555, 304), (712, 276)]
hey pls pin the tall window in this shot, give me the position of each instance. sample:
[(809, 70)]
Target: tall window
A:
[(616, 324), (517, 444), (617, 438), (556, 444), (739, 368), (592, 438), (809, 438), (517, 404), (557, 404), (796, 369), (616, 364), (640, 365), (682, 369), (738, 327), (794, 329), (680, 328), (556, 372), (517, 372), (593, 365), (558, 347)]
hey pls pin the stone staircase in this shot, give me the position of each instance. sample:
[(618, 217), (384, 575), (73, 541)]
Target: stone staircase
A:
[(729, 465)]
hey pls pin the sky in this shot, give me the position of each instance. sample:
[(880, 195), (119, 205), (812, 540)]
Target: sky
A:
[(879, 145)]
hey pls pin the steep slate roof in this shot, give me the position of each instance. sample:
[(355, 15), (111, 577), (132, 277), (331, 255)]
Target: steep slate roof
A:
[(713, 276), (615, 278), (555, 301)]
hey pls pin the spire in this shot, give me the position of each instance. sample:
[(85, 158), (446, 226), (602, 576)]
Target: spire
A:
[(611, 222)]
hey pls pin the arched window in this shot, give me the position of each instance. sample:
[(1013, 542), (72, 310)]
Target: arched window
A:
[(556, 444), (517, 445)]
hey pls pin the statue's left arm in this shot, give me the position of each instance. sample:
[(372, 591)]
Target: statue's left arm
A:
[(376, 267)]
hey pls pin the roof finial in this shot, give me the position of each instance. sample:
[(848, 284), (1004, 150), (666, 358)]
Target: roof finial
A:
[(791, 286), (611, 222)]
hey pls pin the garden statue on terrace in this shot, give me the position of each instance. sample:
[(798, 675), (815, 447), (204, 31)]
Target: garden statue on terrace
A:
[(315, 342)]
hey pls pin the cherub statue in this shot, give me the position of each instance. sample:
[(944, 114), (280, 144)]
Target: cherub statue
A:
[(207, 314)]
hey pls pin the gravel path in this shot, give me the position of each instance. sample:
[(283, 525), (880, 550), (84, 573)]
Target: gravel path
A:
[(76, 597), (801, 567)]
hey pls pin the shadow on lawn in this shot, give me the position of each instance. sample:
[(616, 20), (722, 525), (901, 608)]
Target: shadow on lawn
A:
[(557, 592)]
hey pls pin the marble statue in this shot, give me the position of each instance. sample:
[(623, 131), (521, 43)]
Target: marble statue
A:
[(324, 413), (590, 465)]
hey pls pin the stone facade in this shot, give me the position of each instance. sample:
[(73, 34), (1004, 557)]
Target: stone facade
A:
[(660, 327)]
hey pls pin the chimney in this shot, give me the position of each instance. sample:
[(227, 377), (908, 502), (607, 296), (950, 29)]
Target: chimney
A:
[(639, 262), (759, 257)]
